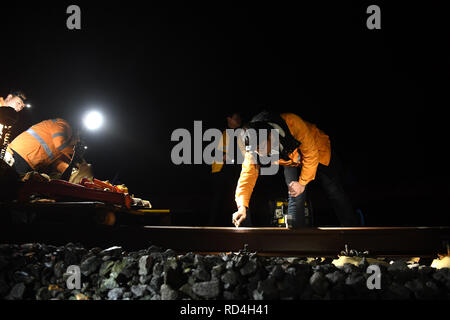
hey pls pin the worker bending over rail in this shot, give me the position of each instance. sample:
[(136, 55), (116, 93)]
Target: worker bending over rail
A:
[(224, 174), (47, 147), (305, 152)]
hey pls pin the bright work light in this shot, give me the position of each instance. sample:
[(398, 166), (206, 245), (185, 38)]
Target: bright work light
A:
[(93, 120)]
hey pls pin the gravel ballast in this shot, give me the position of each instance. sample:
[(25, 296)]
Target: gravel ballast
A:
[(39, 271)]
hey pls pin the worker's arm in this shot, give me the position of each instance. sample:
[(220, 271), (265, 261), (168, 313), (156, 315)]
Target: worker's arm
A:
[(63, 141), (60, 166), (76, 159), (308, 149), (244, 189)]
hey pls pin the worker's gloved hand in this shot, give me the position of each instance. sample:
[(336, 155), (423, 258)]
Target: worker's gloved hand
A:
[(35, 176), (239, 216), (296, 189)]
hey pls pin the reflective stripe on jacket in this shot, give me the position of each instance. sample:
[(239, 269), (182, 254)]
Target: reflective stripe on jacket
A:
[(45, 146), (314, 149)]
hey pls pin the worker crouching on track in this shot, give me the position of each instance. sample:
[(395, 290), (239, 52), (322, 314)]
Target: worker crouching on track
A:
[(305, 152), (225, 174), (47, 147)]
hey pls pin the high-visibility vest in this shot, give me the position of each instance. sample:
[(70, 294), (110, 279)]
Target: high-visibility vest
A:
[(46, 146)]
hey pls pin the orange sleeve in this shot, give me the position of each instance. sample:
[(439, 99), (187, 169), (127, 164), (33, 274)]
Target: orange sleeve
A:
[(247, 181), (308, 148), (60, 165)]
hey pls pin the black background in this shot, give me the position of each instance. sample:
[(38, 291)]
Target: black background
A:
[(153, 67)]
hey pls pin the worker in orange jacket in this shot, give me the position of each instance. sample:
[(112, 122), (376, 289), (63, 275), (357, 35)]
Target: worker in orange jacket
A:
[(305, 153), (225, 173), (46, 147)]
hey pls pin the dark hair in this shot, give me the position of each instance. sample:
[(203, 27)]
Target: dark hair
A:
[(19, 94), (268, 120)]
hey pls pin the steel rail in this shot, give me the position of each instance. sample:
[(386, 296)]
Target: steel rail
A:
[(382, 241)]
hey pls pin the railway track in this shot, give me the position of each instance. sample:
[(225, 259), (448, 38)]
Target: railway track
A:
[(64, 222), (124, 271), (324, 242)]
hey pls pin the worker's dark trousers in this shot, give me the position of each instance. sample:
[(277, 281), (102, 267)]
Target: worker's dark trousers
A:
[(20, 165), (328, 177)]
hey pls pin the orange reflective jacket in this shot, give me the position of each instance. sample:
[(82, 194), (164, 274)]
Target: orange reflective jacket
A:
[(46, 146), (314, 149)]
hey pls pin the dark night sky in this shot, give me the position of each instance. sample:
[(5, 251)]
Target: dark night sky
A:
[(380, 94)]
